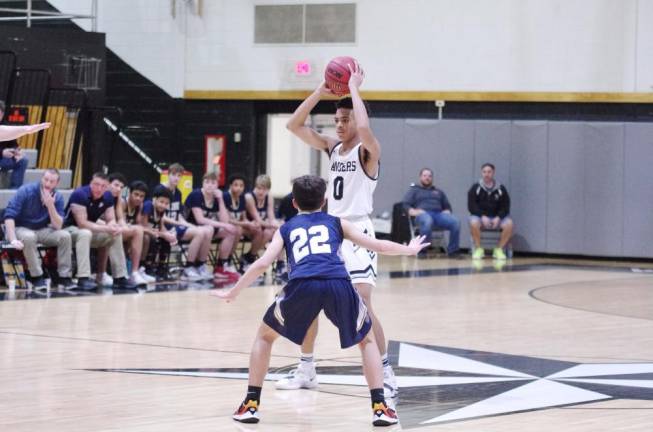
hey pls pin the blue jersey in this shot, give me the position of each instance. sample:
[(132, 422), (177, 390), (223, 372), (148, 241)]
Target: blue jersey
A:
[(263, 209), (236, 209), (312, 242), (196, 200)]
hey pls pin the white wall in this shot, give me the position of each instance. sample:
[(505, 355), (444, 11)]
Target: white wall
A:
[(405, 45)]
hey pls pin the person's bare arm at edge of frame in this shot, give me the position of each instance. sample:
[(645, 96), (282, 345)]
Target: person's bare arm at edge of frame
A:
[(255, 270)]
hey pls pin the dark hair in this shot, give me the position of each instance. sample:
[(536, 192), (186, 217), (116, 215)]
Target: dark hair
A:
[(176, 168), (347, 103), (235, 177), (308, 192), (100, 175), (118, 176), (138, 185), (162, 192), (488, 164), (2, 106), (425, 169)]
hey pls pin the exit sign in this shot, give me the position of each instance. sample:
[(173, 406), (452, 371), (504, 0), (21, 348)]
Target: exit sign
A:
[(303, 68), (18, 115)]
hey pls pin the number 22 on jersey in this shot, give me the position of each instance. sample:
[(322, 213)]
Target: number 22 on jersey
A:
[(311, 241)]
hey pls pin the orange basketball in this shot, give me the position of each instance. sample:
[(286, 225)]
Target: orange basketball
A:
[(337, 74)]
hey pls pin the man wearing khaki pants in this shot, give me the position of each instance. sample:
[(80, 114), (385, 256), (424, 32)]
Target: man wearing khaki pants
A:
[(91, 222), (35, 215)]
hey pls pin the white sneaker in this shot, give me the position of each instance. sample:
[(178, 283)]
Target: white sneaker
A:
[(105, 280), (190, 275), (147, 277), (302, 377), (390, 388), (204, 272), (137, 279), (230, 268)]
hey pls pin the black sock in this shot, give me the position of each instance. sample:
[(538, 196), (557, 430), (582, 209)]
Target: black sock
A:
[(254, 394), (377, 395), (221, 262), (249, 257), (199, 263)]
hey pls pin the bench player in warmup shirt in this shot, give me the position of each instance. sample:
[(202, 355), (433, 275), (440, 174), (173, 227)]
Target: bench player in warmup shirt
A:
[(198, 236), (205, 207), (153, 218), (260, 199), (132, 231), (234, 199), (354, 159), (318, 281)]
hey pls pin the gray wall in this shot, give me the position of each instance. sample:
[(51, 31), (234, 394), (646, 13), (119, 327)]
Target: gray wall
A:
[(576, 187)]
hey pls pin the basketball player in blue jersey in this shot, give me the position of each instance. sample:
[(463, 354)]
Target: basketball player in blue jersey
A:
[(234, 200), (206, 207), (263, 213), (198, 236), (354, 168), (318, 281)]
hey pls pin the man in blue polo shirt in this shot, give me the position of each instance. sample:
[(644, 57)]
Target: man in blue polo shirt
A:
[(91, 221), (35, 215)]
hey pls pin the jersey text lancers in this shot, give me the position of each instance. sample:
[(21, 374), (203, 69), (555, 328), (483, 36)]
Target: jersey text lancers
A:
[(348, 166)]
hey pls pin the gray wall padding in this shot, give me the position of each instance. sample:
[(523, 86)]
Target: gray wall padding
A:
[(576, 187)]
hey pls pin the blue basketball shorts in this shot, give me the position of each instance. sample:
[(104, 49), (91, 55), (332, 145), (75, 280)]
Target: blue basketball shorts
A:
[(301, 300)]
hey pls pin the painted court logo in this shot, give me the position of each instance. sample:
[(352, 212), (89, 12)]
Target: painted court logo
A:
[(442, 385)]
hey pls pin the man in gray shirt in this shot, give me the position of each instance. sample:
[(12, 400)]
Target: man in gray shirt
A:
[(431, 209)]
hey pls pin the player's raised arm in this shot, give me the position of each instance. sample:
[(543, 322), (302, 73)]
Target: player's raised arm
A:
[(369, 141), (385, 247), (297, 121), (8, 133), (255, 270)]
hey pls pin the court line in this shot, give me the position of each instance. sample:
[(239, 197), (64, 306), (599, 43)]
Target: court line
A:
[(247, 353), (532, 294)]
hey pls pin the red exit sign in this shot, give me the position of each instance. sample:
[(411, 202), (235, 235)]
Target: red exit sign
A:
[(303, 68)]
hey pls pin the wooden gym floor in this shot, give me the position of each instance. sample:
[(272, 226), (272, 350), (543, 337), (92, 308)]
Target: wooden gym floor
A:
[(536, 345)]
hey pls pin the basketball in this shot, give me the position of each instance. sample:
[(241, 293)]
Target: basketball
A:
[(337, 74)]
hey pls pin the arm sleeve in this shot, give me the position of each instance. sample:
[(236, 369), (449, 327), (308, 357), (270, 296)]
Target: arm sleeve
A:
[(504, 205), (446, 205), (472, 205), (15, 205), (147, 208), (59, 204), (409, 199)]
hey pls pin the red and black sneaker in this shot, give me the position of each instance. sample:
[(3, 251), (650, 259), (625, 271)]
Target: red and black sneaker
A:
[(247, 412), (382, 415)]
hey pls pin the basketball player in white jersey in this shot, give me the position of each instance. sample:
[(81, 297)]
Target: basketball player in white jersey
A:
[(354, 161)]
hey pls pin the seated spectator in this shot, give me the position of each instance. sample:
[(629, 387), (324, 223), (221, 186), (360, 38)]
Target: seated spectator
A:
[(35, 215), (154, 218), (237, 208), (127, 212), (91, 222), (206, 207), (431, 209), (260, 200), (198, 236), (489, 205)]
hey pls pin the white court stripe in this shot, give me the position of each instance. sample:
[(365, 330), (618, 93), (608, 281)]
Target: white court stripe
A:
[(614, 382), (424, 358), (589, 370), (536, 395)]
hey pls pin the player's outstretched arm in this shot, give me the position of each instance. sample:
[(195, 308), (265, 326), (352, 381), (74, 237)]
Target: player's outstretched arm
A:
[(297, 121), (255, 270), (384, 247), (370, 143), (8, 133)]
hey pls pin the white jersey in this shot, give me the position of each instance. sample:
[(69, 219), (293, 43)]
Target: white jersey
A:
[(350, 189)]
